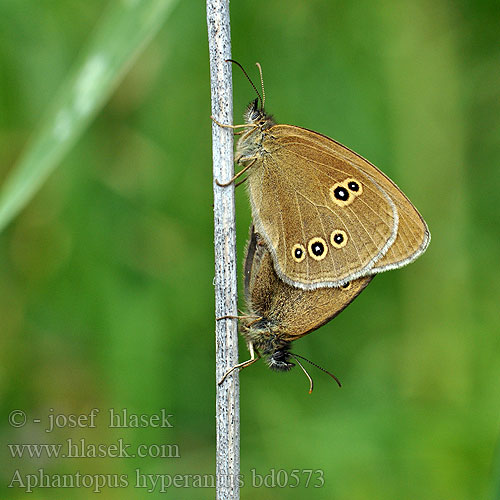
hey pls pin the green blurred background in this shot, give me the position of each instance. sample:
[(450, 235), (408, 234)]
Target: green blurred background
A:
[(106, 296)]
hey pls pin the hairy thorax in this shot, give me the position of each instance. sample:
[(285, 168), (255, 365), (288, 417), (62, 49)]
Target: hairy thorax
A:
[(251, 144), (265, 335)]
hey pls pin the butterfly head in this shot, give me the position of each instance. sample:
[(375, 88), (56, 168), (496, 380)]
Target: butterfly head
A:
[(256, 115), (279, 360)]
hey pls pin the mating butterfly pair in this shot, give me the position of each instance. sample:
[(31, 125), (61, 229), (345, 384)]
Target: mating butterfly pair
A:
[(325, 221)]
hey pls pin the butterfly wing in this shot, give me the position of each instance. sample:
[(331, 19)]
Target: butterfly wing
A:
[(327, 215), (325, 221), (291, 312), (413, 235)]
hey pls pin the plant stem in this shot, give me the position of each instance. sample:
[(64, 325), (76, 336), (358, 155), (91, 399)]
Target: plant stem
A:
[(226, 332)]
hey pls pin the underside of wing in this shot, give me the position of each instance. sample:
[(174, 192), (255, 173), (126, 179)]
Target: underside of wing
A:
[(413, 235), (291, 311), (325, 221)]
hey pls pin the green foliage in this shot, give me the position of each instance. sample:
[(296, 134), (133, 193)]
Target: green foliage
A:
[(106, 296)]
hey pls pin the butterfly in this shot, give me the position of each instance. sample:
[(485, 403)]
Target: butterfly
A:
[(327, 215), (278, 313)]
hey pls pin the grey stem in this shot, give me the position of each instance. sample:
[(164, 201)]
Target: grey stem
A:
[(226, 333)]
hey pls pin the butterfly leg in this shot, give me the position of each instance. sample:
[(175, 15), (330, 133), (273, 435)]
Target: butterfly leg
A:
[(225, 184), (243, 316), (254, 356), (241, 182), (244, 125)]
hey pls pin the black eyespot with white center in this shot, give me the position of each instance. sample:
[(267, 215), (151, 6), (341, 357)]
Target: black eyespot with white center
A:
[(341, 193), (317, 248), (298, 252), (338, 238), (347, 285), (354, 186)]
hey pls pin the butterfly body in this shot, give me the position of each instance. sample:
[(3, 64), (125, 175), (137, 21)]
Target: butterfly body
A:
[(326, 214), (279, 313)]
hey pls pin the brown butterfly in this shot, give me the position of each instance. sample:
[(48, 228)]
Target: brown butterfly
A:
[(279, 313), (327, 215)]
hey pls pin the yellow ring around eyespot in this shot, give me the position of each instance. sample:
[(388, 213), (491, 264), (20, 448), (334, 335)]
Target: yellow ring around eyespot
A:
[(302, 249), (312, 241), (334, 243), (354, 193), (341, 203), (347, 285)]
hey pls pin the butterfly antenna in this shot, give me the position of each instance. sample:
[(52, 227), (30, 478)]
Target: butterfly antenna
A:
[(311, 383), (317, 366), (261, 84), (248, 78)]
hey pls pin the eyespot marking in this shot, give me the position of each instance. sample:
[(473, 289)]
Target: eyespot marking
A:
[(346, 286), (298, 252), (317, 248), (340, 194), (354, 186), (338, 238), (344, 193)]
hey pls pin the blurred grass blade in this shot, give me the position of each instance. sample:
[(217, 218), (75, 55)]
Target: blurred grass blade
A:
[(123, 31)]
